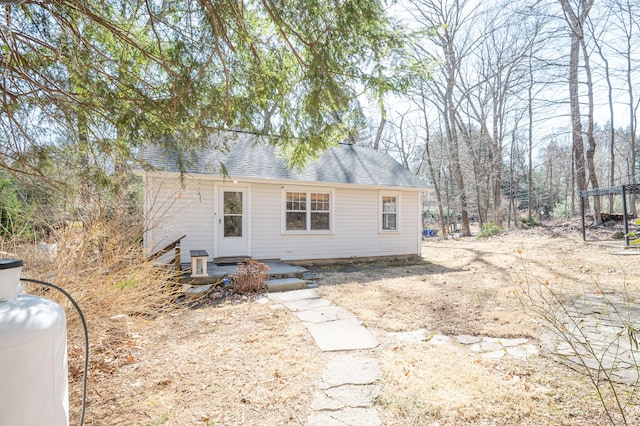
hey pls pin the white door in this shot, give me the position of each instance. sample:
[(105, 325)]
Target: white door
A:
[(232, 221)]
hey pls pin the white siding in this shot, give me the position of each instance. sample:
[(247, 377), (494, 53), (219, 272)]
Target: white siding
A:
[(356, 232), (356, 223), (173, 211)]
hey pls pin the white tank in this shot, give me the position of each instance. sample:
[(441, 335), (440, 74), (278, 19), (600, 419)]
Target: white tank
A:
[(33, 355)]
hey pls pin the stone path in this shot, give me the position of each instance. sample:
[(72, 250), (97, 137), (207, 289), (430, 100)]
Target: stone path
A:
[(349, 386), (485, 347), (346, 393), (598, 332), (333, 328)]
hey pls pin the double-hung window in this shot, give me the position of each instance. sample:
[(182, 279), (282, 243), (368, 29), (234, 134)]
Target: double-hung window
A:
[(389, 212), (307, 211)]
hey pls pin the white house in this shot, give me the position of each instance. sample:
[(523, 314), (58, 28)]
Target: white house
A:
[(353, 202)]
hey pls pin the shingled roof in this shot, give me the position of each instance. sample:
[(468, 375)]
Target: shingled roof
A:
[(246, 157)]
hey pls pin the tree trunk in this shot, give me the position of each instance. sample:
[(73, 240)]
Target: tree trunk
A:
[(551, 195), (432, 172), (383, 121), (576, 22), (576, 122), (632, 129), (530, 147), (591, 150), (512, 185), (450, 124), (612, 129)]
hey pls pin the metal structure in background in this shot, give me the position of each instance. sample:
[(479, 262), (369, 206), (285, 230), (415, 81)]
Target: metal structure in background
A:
[(623, 190)]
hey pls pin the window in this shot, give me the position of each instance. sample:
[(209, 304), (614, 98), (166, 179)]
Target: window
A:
[(389, 212), (232, 213), (307, 211), (296, 211), (320, 212)]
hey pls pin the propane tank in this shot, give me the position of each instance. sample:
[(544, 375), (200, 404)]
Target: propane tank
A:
[(33, 355)]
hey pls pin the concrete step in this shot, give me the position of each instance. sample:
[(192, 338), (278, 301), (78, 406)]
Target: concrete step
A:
[(197, 292), (285, 284)]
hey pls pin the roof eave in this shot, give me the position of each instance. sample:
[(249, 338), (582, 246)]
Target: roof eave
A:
[(294, 182)]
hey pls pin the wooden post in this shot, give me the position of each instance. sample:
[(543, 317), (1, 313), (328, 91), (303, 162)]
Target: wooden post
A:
[(625, 221), (177, 260), (584, 231)]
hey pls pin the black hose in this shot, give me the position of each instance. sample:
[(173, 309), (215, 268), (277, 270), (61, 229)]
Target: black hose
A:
[(86, 339)]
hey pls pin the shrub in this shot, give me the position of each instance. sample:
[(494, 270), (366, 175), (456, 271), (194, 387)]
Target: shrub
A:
[(562, 211), (488, 229), (635, 235), (251, 277), (528, 223)]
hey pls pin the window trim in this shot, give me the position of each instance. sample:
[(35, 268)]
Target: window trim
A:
[(381, 213), (308, 191)]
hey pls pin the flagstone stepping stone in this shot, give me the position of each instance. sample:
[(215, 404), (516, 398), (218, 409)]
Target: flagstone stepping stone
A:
[(289, 296), (341, 335), (306, 304), (324, 314), (349, 370), (591, 332), (285, 284), (465, 339), (346, 417), (414, 336)]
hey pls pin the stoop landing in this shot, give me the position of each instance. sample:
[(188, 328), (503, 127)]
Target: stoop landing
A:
[(282, 276)]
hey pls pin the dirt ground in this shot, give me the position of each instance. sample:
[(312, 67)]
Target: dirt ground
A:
[(243, 362)]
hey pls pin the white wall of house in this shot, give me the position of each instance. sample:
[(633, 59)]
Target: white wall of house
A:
[(356, 222), (173, 210)]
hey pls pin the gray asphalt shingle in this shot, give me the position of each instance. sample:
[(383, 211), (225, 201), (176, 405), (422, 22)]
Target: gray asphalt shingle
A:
[(342, 164)]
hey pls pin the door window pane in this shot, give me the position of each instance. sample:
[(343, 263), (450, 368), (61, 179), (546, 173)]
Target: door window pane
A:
[(232, 211), (233, 226), (232, 202)]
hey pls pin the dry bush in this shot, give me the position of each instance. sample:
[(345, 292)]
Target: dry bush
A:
[(101, 264), (251, 277)]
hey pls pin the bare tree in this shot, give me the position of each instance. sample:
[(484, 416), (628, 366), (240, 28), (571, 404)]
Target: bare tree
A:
[(492, 92), (576, 19), (445, 22), (629, 22), (591, 150), (598, 42), (428, 156)]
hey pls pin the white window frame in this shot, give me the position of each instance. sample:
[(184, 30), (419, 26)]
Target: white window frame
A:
[(308, 191), (382, 213)]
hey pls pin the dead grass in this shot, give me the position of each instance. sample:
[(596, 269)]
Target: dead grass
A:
[(245, 362), (104, 268), (472, 287), (427, 385), (236, 364)]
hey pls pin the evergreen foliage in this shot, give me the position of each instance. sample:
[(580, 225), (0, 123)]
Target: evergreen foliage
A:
[(489, 229), (105, 77)]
